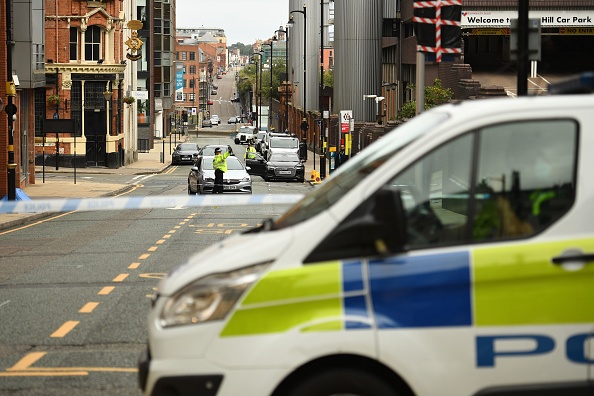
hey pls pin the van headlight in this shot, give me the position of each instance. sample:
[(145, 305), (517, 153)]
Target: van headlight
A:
[(209, 298)]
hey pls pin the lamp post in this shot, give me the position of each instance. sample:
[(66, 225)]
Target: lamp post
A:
[(107, 94), (258, 88), (270, 91), (378, 99), (285, 125), (291, 24)]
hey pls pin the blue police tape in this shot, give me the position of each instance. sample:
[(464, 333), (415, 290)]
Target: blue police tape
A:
[(156, 202)]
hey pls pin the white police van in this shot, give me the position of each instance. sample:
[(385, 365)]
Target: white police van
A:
[(454, 256)]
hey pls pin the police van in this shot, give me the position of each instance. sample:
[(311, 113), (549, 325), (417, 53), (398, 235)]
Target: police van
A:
[(454, 256)]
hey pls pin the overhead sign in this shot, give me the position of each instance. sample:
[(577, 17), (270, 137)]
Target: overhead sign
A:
[(490, 32), (576, 18), (569, 30)]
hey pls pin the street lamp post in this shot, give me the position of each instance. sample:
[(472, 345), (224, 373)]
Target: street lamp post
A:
[(270, 91), (291, 24), (258, 89), (321, 101), (286, 118)]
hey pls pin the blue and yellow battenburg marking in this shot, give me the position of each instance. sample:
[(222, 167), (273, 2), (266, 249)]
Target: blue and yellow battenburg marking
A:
[(493, 286)]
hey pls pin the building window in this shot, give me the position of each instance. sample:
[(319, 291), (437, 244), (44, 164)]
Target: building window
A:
[(192, 69), (93, 43), (192, 56), (157, 88), (73, 43), (184, 56), (166, 89)]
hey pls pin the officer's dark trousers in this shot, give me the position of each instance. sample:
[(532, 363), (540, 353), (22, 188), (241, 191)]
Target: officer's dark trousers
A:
[(218, 182)]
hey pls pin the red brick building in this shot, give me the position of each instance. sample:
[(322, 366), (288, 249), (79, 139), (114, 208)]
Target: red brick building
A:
[(85, 62)]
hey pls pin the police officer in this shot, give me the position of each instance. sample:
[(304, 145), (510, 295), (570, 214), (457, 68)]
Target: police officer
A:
[(250, 152), (219, 164)]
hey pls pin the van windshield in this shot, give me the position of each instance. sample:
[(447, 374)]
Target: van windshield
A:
[(358, 168)]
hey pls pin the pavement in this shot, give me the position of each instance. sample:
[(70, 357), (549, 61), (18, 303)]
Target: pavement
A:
[(70, 187)]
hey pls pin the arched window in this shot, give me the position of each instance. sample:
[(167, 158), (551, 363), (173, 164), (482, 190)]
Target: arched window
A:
[(93, 43)]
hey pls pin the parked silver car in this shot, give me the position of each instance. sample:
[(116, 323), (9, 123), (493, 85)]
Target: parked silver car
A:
[(235, 180)]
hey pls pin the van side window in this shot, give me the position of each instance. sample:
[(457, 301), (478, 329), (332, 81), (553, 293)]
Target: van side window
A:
[(435, 194), (525, 178)]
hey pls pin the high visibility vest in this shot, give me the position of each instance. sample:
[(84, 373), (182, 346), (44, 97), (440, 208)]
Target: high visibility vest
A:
[(250, 153), (219, 162)]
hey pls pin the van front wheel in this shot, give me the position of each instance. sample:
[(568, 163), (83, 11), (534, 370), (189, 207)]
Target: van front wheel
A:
[(343, 382)]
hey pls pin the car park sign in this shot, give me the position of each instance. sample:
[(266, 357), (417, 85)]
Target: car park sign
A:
[(345, 120)]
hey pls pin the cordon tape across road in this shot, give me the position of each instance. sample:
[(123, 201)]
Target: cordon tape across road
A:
[(125, 203)]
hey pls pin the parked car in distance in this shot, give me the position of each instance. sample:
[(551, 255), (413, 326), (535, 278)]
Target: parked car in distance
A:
[(281, 144), (201, 177), (246, 134), (184, 153), (232, 120), (213, 92), (206, 123), (266, 141), (215, 119), (281, 166), (209, 149), (219, 77)]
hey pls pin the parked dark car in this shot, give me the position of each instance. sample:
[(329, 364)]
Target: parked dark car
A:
[(282, 166), (184, 153), (206, 123), (201, 177)]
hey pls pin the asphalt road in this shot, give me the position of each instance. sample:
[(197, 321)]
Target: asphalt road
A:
[(75, 289)]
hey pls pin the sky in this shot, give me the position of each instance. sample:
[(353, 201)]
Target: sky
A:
[(244, 21)]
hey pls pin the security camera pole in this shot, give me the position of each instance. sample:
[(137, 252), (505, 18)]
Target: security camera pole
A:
[(10, 109)]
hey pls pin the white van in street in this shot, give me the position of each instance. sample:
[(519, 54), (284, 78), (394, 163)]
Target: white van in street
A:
[(454, 256)]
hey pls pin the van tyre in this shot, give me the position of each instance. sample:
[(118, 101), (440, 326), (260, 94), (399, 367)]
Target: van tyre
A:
[(343, 382), (190, 190), (236, 141)]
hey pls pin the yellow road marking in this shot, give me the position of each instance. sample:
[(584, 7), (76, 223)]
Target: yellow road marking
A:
[(160, 241), (166, 236), (134, 266), (65, 329), (172, 232), (43, 374), (144, 256), (27, 361), (89, 307), (177, 227), (120, 278), (152, 248), (106, 290)]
